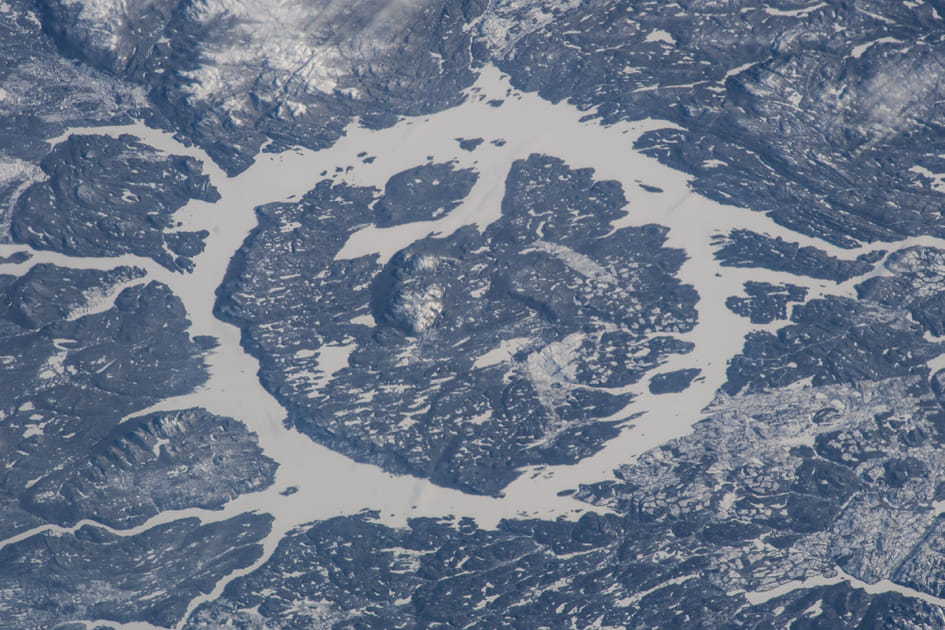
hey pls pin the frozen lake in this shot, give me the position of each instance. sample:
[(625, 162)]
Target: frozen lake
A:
[(330, 484)]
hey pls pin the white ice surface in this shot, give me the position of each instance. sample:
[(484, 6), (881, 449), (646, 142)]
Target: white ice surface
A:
[(795, 12), (857, 51), (660, 36), (882, 586)]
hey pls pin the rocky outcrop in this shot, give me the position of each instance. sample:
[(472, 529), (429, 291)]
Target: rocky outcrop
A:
[(107, 196)]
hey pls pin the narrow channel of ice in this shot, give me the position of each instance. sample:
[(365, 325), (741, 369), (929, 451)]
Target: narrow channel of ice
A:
[(756, 598)]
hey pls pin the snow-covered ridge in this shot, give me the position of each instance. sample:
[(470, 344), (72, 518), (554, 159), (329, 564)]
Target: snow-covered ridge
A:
[(295, 47), (293, 42)]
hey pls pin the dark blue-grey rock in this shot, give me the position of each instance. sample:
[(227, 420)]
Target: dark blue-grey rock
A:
[(882, 334), (832, 340), (152, 576), (916, 286), (15, 258), (469, 144), (742, 248), (766, 302), (78, 352), (107, 196), (125, 478), (41, 95), (48, 293), (423, 193), (673, 382)]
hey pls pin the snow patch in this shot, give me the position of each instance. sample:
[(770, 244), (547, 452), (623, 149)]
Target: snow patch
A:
[(795, 12), (857, 51), (508, 21), (660, 36)]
